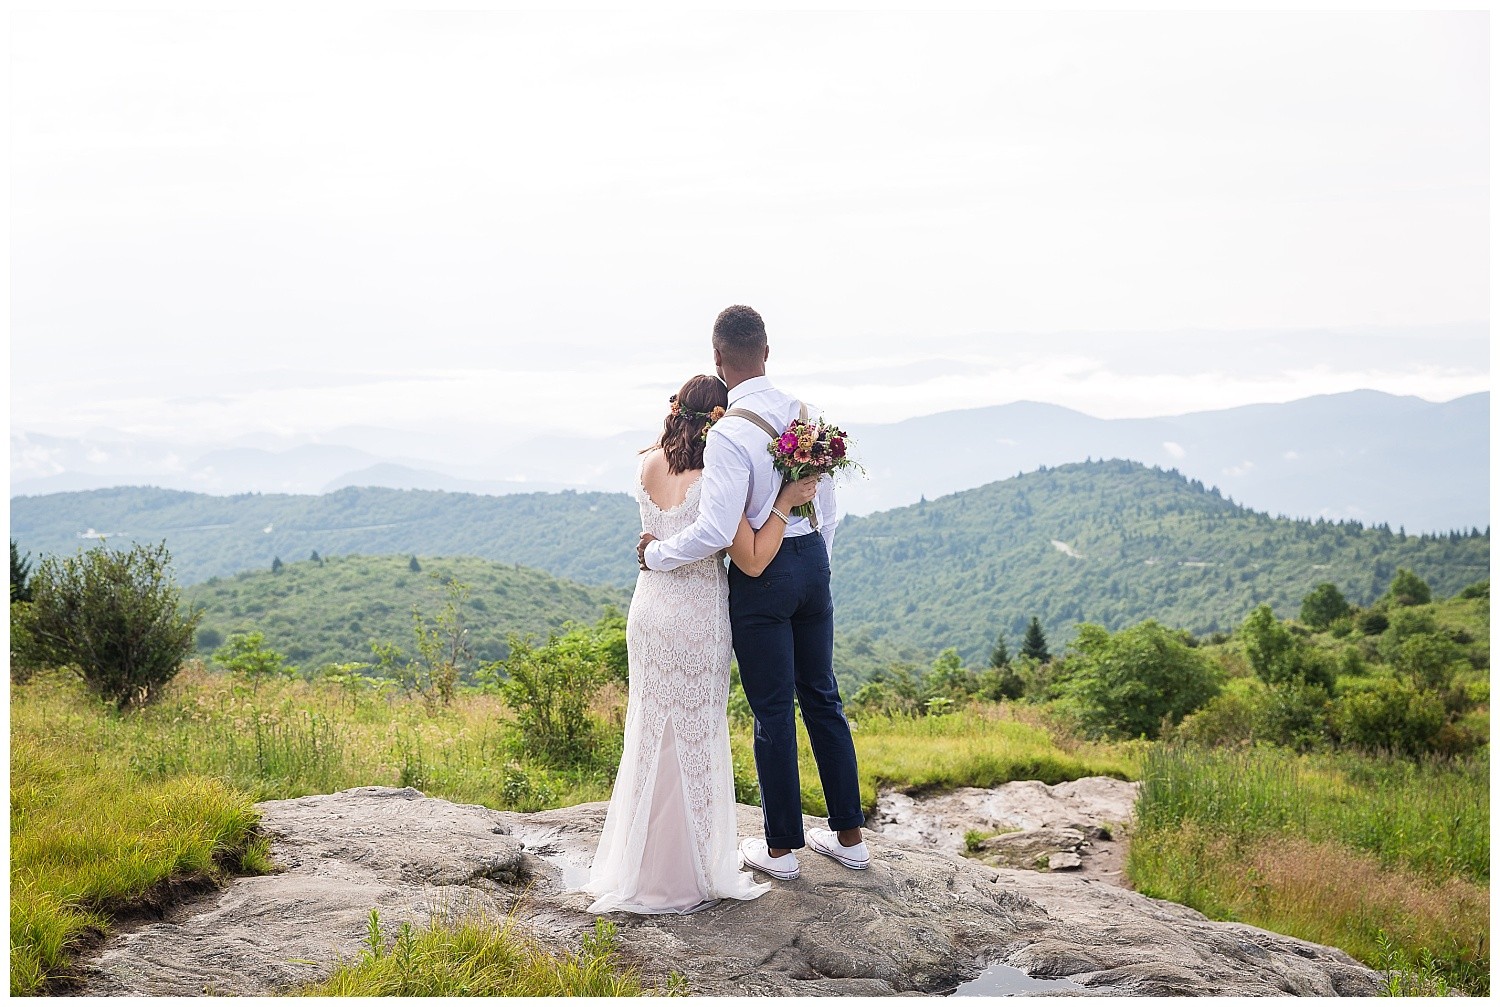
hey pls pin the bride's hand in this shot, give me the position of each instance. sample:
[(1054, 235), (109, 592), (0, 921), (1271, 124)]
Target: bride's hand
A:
[(795, 494)]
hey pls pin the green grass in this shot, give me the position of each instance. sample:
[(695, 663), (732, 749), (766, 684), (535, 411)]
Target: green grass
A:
[(291, 738), (88, 837), (1342, 850), (983, 745), (1431, 818), (1385, 859), (479, 956), (980, 746)]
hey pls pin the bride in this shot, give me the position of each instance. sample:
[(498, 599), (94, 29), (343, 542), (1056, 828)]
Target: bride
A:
[(669, 839)]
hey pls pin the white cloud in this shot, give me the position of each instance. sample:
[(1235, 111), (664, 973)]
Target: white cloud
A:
[(530, 227), (1241, 469), (1174, 449), (1290, 456)]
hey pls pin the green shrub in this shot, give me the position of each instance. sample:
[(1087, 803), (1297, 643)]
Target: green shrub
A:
[(549, 689), (1041, 681), (1427, 661), (1372, 622), (1478, 589), (247, 655), (1280, 657), (112, 615), (1227, 719), (1408, 589), (1390, 715), (894, 689), (1000, 682), (1323, 605), (22, 648), (1128, 684), (1294, 714), (1352, 663), (948, 679)]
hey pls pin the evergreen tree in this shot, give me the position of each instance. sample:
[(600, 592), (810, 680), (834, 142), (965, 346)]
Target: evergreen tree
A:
[(20, 575), (277, 565), (316, 558), (1000, 656), (414, 566), (1034, 645)]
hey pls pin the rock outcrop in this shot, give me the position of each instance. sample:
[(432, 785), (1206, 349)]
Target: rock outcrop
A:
[(919, 921), (1075, 826)]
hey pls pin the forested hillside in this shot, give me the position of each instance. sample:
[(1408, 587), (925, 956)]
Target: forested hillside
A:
[(587, 537), (332, 609), (1106, 542), (1109, 542)]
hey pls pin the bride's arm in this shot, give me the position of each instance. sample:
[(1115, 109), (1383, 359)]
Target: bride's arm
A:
[(752, 551)]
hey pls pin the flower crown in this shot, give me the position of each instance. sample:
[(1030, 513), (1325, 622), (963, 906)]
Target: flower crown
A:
[(708, 419)]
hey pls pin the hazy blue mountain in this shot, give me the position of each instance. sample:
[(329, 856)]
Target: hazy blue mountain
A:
[(392, 476), (1363, 455), (1366, 455), (587, 537)]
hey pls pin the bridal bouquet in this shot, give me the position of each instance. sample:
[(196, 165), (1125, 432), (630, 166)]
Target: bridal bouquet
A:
[(807, 448)]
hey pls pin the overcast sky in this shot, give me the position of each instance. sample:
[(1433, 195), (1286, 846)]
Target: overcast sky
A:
[(225, 223)]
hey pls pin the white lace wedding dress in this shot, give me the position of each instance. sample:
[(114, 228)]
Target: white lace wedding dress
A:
[(669, 842)]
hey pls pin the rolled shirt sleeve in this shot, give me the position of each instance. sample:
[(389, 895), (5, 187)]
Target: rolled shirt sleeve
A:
[(828, 513), (721, 504)]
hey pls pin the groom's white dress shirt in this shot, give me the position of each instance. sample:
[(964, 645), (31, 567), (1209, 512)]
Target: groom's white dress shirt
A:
[(739, 480)]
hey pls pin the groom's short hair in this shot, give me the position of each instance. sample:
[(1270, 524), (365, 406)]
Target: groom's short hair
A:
[(740, 336)]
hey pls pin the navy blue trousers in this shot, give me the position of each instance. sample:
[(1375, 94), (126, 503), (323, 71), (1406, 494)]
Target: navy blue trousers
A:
[(783, 638)]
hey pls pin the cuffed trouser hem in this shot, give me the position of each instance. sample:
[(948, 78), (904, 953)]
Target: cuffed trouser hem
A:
[(786, 842), (850, 822)]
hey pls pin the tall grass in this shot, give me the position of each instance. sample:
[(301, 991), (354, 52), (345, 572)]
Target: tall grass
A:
[(88, 838), (982, 745), (1431, 818), (479, 956), (1381, 858), (978, 746)]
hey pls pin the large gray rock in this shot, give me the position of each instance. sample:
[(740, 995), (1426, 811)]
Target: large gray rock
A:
[(919, 921), (1083, 820)]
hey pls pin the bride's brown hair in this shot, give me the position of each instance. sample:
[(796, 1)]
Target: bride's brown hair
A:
[(682, 433)]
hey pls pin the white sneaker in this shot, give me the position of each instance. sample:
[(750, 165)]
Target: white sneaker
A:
[(753, 853), (826, 842)]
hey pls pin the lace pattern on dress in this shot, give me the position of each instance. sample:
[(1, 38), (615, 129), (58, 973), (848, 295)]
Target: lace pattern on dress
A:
[(678, 640)]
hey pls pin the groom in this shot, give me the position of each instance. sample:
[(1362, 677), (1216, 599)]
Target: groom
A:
[(782, 621)]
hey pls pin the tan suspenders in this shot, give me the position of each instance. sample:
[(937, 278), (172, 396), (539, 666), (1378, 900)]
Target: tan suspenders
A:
[(771, 432)]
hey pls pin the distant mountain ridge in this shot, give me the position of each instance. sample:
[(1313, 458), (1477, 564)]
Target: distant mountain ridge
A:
[(1110, 542), (1364, 456), (586, 537), (1361, 455)]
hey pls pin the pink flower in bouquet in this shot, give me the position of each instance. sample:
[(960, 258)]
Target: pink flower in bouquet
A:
[(807, 448)]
